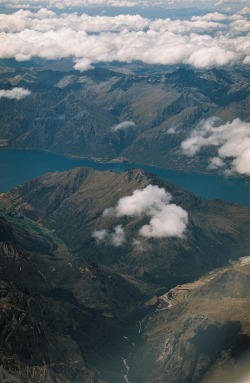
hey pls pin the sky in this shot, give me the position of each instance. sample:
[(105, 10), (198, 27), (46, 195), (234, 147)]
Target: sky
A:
[(219, 4)]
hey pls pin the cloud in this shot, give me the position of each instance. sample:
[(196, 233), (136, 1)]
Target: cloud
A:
[(100, 235), (118, 236), (137, 244), (15, 93), (117, 3), (171, 221), (231, 139), (143, 202), (216, 163), (63, 4), (216, 16), (244, 11), (123, 125), (115, 238), (174, 128), (166, 220), (203, 42)]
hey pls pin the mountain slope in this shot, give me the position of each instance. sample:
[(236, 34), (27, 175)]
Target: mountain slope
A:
[(79, 113), (62, 318), (72, 203), (199, 333), (76, 309)]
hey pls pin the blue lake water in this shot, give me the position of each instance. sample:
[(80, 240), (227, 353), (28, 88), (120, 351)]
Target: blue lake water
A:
[(17, 166)]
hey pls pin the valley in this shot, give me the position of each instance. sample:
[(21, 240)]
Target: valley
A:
[(102, 312)]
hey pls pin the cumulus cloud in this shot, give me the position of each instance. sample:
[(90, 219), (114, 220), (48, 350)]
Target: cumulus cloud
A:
[(166, 220), (174, 128), (216, 163), (137, 244), (15, 93), (171, 221), (100, 235), (231, 139), (147, 201), (203, 42), (123, 125), (116, 237), (215, 16), (245, 11)]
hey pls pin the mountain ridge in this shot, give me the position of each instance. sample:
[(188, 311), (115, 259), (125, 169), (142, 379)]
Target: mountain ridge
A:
[(75, 114), (99, 313)]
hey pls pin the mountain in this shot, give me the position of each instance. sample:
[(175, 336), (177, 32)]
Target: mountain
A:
[(80, 113), (72, 204), (77, 307), (199, 333), (62, 318)]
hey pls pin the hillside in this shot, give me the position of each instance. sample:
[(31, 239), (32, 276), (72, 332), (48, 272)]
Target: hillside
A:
[(73, 204), (208, 320), (107, 113), (62, 318), (75, 308)]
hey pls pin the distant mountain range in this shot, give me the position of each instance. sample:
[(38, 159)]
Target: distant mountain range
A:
[(135, 112), (86, 296)]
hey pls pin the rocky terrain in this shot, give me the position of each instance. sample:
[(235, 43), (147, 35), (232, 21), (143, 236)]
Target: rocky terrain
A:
[(208, 320), (62, 317), (132, 112), (72, 204), (74, 308)]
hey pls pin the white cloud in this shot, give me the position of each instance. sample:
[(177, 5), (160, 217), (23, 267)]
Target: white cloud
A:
[(216, 163), (138, 245), (166, 220), (203, 42), (216, 16), (172, 130), (15, 93), (100, 235), (147, 201), (244, 11), (123, 125), (118, 236), (115, 238), (232, 140), (63, 4), (171, 221), (72, 4)]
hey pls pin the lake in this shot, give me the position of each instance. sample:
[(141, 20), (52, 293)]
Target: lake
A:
[(17, 166)]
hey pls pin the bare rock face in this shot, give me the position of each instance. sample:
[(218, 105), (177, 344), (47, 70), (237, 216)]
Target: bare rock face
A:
[(200, 331)]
